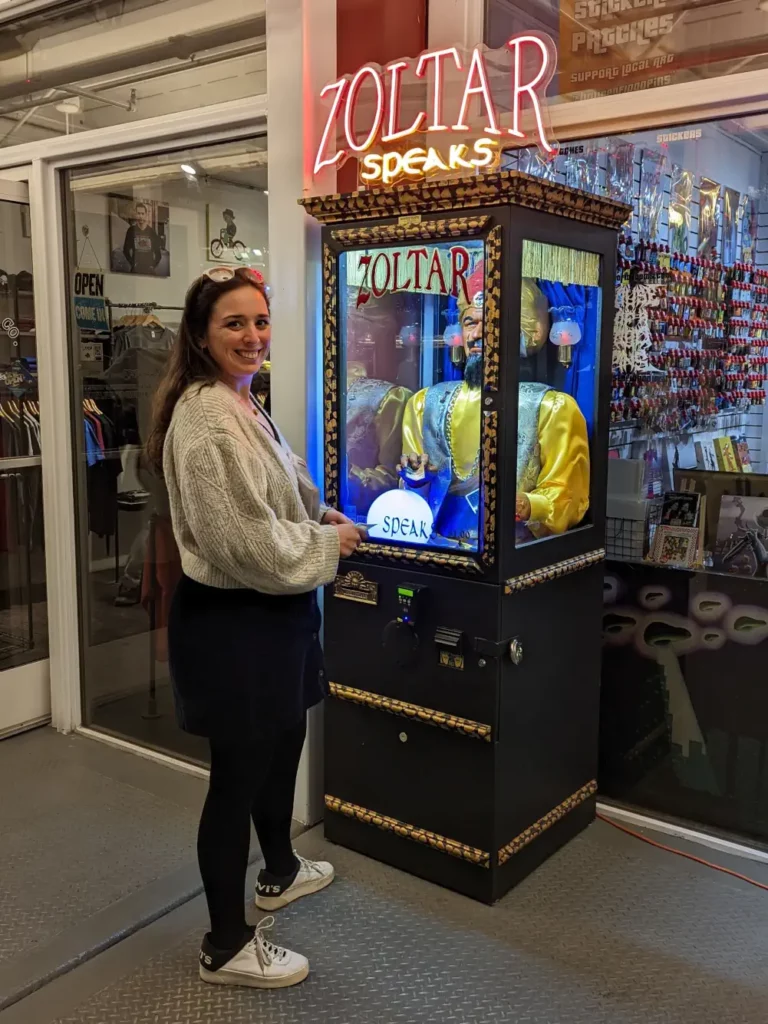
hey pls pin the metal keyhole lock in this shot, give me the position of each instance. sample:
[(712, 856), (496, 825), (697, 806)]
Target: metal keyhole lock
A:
[(515, 651), (403, 737)]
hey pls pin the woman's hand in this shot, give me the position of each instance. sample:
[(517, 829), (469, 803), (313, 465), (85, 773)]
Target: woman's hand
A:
[(349, 537), (333, 517)]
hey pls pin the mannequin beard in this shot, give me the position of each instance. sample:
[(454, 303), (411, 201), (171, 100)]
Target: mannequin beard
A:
[(473, 371)]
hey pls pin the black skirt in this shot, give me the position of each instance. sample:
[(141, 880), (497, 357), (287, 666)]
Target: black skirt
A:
[(243, 663)]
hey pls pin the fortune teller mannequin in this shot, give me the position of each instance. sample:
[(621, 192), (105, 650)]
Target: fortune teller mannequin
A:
[(441, 439), (374, 418)]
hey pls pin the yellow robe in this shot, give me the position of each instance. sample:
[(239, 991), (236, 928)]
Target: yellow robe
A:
[(561, 496)]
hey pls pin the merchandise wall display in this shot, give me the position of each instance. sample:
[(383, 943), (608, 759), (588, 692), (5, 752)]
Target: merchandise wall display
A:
[(465, 423), (687, 496)]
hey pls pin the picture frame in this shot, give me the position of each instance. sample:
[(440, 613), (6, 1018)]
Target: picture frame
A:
[(675, 546), (224, 246), (139, 242)]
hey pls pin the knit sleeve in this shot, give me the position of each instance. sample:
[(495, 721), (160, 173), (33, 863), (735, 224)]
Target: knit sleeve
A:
[(223, 495)]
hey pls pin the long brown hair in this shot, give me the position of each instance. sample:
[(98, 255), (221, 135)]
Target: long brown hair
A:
[(190, 362)]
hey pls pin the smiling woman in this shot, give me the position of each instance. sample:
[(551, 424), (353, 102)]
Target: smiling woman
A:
[(255, 544)]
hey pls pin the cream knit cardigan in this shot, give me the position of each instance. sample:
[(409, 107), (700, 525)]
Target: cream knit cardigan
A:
[(238, 517)]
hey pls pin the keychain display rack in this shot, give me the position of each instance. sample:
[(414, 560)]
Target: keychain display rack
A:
[(709, 342)]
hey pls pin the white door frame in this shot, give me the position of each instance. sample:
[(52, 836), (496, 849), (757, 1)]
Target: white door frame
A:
[(25, 690)]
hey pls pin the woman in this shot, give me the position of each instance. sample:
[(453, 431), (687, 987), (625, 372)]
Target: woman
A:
[(243, 628)]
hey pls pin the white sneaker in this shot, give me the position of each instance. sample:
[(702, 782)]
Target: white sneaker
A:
[(259, 964), (312, 876)]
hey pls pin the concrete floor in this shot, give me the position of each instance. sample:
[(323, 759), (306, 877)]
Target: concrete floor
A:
[(609, 931)]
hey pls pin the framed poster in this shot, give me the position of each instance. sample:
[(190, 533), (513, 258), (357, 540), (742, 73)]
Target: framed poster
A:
[(138, 237), (224, 245)]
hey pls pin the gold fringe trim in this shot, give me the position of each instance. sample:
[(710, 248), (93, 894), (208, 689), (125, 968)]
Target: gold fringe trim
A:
[(556, 263), (418, 556), (553, 572), (549, 819), (454, 227), (415, 712), (418, 835), (499, 188)]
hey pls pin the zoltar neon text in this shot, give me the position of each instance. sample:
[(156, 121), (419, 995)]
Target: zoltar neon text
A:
[(532, 59)]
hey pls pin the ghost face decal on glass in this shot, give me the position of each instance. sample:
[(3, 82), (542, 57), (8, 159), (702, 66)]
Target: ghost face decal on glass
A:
[(667, 632), (653, 597), (712, 638), (611, 585), (619, 626), (747, 624), (709, 606)]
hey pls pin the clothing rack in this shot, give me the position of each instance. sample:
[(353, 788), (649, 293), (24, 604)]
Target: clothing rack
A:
[(148, 307)]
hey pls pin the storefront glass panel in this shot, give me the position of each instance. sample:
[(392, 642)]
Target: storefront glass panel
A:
[(614, 46), (75, 67), (139, 233), (684, 717)]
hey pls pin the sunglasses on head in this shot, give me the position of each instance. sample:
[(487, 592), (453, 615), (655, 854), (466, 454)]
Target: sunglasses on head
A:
[(220, 275)]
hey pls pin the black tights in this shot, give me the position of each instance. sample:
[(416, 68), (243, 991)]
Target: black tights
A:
[(246, 783)]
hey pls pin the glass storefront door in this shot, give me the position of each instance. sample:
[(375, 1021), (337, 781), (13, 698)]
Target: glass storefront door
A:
[(24, 684), (140, 232)]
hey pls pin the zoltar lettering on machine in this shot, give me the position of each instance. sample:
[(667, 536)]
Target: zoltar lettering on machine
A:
[(465, 97), (413, 269)]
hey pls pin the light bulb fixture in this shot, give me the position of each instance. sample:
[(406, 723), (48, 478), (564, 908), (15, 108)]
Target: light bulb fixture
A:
[(188, 169)]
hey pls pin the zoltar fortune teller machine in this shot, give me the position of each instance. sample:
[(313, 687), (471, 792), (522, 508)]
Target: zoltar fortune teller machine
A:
[(467, 361)]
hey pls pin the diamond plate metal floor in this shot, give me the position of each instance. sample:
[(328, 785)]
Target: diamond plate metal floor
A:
[(89, 836), (610, 931)]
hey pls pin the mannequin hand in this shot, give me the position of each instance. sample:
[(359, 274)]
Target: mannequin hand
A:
[(349, 538), (523, 508), (416, 469), (333, 517)]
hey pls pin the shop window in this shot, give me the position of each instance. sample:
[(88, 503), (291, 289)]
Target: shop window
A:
[(140, 232), (683, 716), (607, 47), (89, 65)]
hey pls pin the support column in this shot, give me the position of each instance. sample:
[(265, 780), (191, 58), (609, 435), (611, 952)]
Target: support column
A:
[(301, 58), (372, 32)]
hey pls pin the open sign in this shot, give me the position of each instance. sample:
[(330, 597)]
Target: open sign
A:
[(400, 516)]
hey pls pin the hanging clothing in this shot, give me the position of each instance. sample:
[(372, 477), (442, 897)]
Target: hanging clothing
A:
[(151, 337)]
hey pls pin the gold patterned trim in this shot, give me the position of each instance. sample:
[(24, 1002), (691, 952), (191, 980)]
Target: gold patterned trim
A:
[(553, 572), (495, 189), (418, 835), (477, 730), (492, 325), (453, 227), (490, 449), (420, 556), (549, 819), (331, 375)]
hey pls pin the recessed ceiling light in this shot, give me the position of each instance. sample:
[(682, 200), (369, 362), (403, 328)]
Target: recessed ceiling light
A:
[(188, 169)]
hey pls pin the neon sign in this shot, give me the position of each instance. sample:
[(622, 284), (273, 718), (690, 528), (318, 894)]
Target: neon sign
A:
[(414, 269), (384, 168), (531, 58)]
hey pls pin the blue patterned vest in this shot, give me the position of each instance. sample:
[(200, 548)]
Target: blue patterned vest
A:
[(451, 518)]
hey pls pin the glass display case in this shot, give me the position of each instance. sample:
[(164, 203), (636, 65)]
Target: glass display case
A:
[(464, 433)]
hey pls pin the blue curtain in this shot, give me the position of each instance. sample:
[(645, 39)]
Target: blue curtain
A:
[(580, 378)]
